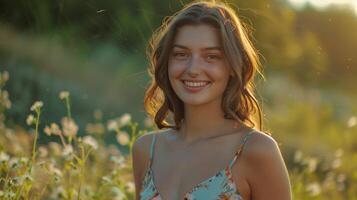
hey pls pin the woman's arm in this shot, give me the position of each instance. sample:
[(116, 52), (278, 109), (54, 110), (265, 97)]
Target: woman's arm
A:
[(267, 174)]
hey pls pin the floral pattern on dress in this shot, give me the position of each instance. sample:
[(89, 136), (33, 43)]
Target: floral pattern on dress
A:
[(218, 187), (223, 180), (148, 191)]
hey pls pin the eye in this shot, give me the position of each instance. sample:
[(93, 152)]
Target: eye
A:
[(213, 57), (180, 55)]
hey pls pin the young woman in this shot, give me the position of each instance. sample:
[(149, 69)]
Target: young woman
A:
[(202, 66)]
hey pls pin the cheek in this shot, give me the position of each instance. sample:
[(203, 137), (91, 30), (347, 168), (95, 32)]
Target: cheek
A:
[(175, 69), (218, 72)]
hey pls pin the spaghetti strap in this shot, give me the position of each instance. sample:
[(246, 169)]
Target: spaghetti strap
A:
[(241, 145), (152, 148)]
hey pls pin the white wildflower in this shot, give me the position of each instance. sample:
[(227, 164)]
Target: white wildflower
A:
[(36, 105), (55, 130), (14, 162), (23, 160), (43, 152), (311, 164), (68, 150), (112, 125), (4, 94), (117, 193), (27, 177), (117, 159), (19, 180), (106, 180), (4, 157), (130, 186), (6, 102), (9, 194), (124, 119), (53, 170), (352, 121), (4, 98), (63, 94), (58, 193), (57, 172), (90, 141), (56, 179), (42, 164), (69, 127), (30, 119), (122, 137), (5, 76), (47, 130), (297, 156), (313, 188)]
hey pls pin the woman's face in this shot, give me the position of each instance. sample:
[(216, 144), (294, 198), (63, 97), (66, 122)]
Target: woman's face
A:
[(197, 68)]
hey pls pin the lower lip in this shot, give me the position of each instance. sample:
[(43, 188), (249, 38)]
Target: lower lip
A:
[(195, 89)]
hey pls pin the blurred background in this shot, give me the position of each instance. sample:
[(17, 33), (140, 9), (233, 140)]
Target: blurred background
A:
[(96, 51)]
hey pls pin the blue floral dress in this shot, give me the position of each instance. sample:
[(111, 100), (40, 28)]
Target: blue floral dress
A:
[(221, 186)]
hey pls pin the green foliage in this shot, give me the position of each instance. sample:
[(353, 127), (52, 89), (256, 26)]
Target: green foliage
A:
[(92, 20), (334, 29)]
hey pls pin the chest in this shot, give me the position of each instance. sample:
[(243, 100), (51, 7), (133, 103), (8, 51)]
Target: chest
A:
[(177, 173)]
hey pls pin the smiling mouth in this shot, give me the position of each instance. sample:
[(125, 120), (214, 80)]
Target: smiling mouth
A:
[(195, 84), (193, 87)]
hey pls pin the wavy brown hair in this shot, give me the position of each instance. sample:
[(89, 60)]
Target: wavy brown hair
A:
[(238, 101)]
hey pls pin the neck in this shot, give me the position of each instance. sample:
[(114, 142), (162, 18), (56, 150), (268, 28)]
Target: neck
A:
[(205, 122)]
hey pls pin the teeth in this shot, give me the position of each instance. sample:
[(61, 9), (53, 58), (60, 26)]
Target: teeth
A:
[(195, 84)]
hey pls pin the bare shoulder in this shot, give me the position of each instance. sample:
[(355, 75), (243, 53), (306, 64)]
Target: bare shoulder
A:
[(142, 144), (267, 174), (141, 158), (260, 144), (141, 147)]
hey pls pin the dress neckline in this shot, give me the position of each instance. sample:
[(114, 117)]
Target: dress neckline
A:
[(227, 168), (227, 171)]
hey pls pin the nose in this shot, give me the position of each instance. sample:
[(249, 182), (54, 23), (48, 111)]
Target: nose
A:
[(193, 67)]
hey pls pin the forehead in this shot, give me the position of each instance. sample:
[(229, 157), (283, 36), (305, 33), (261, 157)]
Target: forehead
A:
[(197, 36)]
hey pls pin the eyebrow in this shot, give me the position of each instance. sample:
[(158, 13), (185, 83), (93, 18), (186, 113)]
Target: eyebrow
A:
[(206, 48)]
